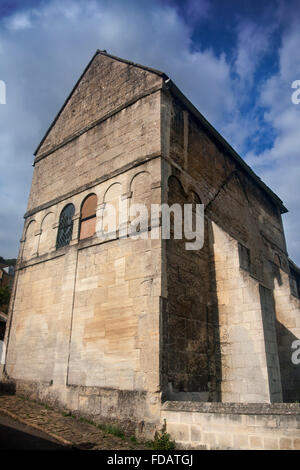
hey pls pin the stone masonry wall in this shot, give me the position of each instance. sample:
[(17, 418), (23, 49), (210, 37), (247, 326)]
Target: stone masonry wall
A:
[(233, 426), (231, 198), (188, 342), (87, 315), (106, 86), (106, 327), (248, 345), (128, 137), (84, 320), (288, 331), (242, 298)]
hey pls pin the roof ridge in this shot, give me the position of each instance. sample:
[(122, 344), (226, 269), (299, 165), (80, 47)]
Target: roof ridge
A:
[(135, 64)]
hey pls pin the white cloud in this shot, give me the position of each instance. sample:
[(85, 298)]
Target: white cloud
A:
[(43, 51), (19, 21), (254, 40), (279, 165)]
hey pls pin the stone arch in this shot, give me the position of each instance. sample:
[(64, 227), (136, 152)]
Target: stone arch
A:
[(113, 191), (193, 193), (175, 189), (277, 259), (112, 197), (140, 189), (88, 211), (47, 234), (138, 181), (176, 196), (30, 241), (194, 197), (65, 227)]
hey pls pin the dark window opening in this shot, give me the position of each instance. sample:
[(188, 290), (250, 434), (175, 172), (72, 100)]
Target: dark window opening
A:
[(277, 260), (244, 256), (295, 283), (65, 228)]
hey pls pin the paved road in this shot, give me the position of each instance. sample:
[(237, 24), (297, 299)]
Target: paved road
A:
[(17, 436)]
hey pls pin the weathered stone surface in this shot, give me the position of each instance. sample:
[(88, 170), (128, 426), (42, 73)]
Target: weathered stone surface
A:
[(115, 326), (234, 425)]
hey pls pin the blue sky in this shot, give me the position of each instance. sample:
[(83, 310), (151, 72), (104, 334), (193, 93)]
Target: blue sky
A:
[(234, 59)]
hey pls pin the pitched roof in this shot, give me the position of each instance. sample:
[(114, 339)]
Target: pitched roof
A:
[(104, 53), (187, 103)]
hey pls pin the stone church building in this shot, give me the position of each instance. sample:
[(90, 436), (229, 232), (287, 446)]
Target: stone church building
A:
[(140, 330)]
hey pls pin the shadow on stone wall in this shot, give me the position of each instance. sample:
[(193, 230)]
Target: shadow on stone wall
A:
[(290, 373), (215, 364), (271, 343), (190, 357)]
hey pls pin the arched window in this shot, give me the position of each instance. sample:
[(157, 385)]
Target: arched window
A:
[(30, 245), (88, 217), (65, 228), (277, 260)]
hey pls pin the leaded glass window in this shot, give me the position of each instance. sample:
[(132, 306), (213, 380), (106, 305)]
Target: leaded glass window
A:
[(65, 228)]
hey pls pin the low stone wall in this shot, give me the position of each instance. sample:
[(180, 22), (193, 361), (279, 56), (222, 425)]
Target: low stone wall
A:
[(193, 425), (136, 412), (233, 425)]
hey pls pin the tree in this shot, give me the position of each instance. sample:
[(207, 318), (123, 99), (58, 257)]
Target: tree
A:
[(8, 262), (4, 295)]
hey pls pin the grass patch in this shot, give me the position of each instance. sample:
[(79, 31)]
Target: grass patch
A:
[(49, 408), (37, 402), (113, 430), (106, 428), (87, 421)]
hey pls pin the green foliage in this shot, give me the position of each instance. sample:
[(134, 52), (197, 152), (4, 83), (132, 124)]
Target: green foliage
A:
[(109, 429), (47, 406), (162, 440), (87, 421), (8, 262), (114, 430), (4, 295)]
